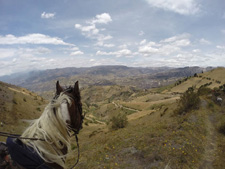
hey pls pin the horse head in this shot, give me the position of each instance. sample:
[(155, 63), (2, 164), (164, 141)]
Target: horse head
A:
[(71, 112)]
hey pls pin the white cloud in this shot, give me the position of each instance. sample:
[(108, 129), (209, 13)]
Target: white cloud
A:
[(223, 31), (31, 39), (6, 53), (14, 52), (204, 41), (34, 51), (183, 7), (109, 45), (103, 18), (143, 42), (92, 60), (176, 38), (90, 30), (47, 15), (124, 46), (220, 47), (148, 50), (101, 41), (76, 53), (164, 47), (120, 53), (196, 50)]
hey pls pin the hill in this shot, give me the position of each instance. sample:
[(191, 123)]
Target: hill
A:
[(17, 104), (211, 79), (156, 136)]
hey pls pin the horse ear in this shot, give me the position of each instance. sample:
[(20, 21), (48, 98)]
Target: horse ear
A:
[(59, 89), (76, 91)]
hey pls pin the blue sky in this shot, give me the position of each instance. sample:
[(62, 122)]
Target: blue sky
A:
[(48, 34)]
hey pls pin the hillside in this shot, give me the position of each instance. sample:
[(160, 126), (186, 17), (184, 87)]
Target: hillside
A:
[(18, 104), (211, 79), (156, 136)]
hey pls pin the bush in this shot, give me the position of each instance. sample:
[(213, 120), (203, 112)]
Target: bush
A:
[(211, 106), (14, 101), (119, 121), (203, 90), (189, 101), (222, 128)]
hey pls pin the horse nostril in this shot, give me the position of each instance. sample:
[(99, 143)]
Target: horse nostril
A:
[(68, 121)]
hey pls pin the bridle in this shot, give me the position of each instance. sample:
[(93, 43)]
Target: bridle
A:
[(79, 107), (80, 111)]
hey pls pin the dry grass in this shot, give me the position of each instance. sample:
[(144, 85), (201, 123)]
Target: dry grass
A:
[(215, 76), (16, 104), (154, 137)]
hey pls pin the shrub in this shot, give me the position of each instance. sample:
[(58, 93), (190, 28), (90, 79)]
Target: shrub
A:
[(189, 101), (119, 121), (14, 101), (211, 106), (203, 90), (222, 128)]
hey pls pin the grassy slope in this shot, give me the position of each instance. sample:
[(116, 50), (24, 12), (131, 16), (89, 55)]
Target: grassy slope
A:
[(16, 104), (215, 76), (153, 140), (155, 137)]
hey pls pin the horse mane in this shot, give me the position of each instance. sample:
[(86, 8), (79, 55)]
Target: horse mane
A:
[(53, 129)]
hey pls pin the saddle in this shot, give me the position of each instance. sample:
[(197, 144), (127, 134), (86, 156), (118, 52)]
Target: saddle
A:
[(15, 155), (3, 154), (5, 160)]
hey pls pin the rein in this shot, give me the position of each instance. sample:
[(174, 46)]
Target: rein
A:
[(4, 134)]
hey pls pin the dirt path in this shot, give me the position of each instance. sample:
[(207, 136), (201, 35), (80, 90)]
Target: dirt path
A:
[(121, 106), (211, 142), (92, 118), (139, 114), (19, 91)]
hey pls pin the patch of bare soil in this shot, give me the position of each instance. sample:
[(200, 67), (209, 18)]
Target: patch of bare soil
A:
[(211, 142)]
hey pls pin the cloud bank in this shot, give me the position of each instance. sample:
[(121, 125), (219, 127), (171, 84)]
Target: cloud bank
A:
[(35, 38)]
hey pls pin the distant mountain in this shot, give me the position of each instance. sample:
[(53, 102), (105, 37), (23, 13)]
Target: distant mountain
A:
[(140, 77)]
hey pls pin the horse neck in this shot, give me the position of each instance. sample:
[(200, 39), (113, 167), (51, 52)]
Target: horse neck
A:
[(45, 127)]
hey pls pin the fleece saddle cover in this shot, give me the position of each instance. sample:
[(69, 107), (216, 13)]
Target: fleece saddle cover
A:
[(24, 155)]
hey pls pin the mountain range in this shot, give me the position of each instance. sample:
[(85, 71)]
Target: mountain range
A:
[(143, 78)]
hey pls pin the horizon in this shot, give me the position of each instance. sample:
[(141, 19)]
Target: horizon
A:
[(39, 70), (41, 35)]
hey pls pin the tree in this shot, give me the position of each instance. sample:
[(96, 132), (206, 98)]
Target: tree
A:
[(189, 101)]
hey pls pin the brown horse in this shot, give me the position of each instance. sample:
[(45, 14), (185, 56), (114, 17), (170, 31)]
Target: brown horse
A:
[(61, 117)]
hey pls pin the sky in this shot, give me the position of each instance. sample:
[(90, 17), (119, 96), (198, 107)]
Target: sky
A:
[(48, 34)]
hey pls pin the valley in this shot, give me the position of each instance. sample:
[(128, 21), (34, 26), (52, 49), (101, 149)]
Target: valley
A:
[(155, 136)]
